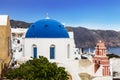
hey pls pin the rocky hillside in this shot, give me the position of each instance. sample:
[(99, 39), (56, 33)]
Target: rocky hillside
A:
[(88, 38), (84, 37), (19, 24)]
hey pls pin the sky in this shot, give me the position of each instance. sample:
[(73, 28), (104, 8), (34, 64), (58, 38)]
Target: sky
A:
[(92, 14)]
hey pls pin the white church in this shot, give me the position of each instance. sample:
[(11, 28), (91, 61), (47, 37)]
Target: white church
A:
[(49, 38)]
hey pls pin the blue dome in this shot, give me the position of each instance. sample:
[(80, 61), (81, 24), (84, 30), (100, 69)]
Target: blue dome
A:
[(47, 28)]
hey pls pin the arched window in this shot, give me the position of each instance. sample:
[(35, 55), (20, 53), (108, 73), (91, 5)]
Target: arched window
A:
[(34, 51), (68, 51), (52, 52)]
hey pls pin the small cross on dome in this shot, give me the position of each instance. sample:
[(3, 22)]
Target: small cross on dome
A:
[(47, 17), (100, 41)]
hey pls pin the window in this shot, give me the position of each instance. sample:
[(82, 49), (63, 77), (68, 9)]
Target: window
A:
[(46, 25), (34, 51), (32, 25), (59, 25), (52, 52), (68, 51)]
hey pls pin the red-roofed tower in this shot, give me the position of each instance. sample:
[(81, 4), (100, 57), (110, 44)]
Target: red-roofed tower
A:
[(100, 59)]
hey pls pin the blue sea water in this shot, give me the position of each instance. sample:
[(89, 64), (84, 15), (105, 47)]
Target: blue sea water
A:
[(109, 50), (114, 50)]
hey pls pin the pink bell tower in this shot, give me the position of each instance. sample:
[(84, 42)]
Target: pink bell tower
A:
[(101, 60)]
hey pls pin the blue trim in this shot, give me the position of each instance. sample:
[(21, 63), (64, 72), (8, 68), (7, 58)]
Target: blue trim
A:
[(52, 52), (34, 52)]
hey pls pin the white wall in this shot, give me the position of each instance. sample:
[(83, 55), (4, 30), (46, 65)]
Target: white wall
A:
[(71, 34), (43, 47), (115, 66), (103, 78), (3, 19)]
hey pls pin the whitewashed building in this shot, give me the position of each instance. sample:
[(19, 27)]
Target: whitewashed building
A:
[(48, 38)]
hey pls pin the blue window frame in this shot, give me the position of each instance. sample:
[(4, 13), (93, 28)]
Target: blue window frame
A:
[(52, 52), (34, 52)]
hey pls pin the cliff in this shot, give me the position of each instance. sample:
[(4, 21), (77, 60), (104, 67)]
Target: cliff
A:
[(88, 38)]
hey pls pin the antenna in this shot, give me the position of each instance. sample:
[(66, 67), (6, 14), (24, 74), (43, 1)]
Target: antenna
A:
[(47, 17)]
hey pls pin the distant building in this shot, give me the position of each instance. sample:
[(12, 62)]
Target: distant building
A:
[(101, 61), (115, 68), (5, 42), (17, 42)]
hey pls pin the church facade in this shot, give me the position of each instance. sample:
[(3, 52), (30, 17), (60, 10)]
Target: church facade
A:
[(48, 38)]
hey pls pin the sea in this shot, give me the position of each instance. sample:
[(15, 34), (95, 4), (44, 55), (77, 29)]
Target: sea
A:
[(115, 50)]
